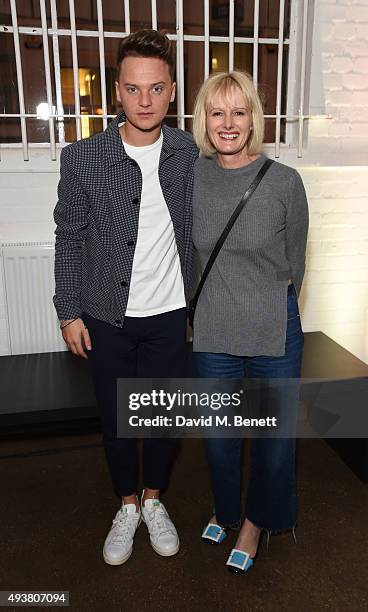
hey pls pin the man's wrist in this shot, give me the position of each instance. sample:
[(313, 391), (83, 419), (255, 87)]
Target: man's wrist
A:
[(66, 322)]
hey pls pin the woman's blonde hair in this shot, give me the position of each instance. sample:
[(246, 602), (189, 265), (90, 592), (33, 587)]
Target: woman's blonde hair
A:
[(223, 83)]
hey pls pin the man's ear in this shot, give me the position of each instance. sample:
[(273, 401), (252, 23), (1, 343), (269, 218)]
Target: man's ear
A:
[(117, 91), (173, 92)]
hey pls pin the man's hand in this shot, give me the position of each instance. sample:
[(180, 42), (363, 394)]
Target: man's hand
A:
[(75, 334)]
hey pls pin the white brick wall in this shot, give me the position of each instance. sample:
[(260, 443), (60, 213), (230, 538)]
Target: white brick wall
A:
[(334, 168), (335, 290)]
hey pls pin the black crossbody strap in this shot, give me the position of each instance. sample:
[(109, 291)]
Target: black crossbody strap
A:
[(228, 227)]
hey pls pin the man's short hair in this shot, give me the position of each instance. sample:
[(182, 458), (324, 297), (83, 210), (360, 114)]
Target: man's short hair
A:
[(147, 43)]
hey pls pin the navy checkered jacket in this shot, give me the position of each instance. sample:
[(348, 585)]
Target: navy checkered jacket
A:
[(97, 214)]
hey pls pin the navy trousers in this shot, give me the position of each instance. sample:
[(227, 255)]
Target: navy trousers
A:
[(147, 347)]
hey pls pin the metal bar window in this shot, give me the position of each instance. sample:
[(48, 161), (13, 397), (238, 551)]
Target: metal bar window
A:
[(34, 31), (180, 64), (231, 35), (279, 76), (302, 78), (48, 78), (55, 46), (75, 69), (101, 46), (255, 42), (18, 62), (154, 14), (206, 9), (223, 37), (127, 16)]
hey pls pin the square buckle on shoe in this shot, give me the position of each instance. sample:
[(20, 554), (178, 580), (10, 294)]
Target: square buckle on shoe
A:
[(239, 560), (214, 533)]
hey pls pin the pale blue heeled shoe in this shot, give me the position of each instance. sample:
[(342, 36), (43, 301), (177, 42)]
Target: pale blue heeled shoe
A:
[(213, 534)]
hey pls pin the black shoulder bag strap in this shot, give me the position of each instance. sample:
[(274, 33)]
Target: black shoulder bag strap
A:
[(224, 235)]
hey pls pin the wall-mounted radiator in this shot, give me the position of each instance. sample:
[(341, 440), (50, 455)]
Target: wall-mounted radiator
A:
[(28, 277)]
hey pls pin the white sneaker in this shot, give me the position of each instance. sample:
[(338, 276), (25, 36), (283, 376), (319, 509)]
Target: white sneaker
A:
[(119, 542), (163, 535)]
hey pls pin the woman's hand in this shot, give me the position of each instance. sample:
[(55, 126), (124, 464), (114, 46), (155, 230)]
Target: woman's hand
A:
[(75, 334)]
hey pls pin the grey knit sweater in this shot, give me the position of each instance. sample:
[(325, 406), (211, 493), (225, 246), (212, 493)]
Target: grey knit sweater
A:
[(242, 309)]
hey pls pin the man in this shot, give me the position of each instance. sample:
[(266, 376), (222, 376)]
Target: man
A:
[(122, 269)]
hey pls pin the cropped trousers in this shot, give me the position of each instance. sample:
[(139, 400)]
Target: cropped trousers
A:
[(145, 347)]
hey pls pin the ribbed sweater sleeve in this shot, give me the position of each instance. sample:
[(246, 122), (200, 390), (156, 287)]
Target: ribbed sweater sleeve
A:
[(297, 220)]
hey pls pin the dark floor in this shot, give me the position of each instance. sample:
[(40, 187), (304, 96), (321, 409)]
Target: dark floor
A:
[(57, 506)]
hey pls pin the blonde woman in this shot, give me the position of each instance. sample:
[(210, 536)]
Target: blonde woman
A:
[(247, 319)]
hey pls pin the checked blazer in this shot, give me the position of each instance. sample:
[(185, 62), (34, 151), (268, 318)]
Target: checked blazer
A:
[(97, 216)]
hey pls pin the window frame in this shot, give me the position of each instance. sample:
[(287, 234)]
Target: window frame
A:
[(297, 89)]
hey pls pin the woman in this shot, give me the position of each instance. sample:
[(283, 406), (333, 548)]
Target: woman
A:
[(247, 320)]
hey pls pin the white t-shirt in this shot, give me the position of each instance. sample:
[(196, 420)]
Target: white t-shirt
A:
[(157, 283)]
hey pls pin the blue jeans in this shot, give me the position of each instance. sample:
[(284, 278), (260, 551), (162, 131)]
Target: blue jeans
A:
[(271, 501)]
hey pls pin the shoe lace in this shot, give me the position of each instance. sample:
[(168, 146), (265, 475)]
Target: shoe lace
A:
[(123, 528), (159, 520)]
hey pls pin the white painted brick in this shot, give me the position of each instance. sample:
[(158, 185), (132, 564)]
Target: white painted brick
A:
[(314, 190), (318, 128), (340, 316), (352, 3), (360, 14), (321, 205), (336, 292), (359, 98), (341, 218), (336, 262), (345, 205), (356, 48), (329, 302), (326, 61), (340, 98), (336, 233), (334, 189), (339, 129), (314, 246), (28, 180), (352, 115), (313, 174), (342, 64), (315, 218), (26, 214), (334, 47), (25, 197), (339, 248), (343, 31), (359, 189), (355, 81), (361, 32), (332, 13), (353, 188), (359, 130), (327, 31), (332, 81), (29, 232), (361, 63)]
